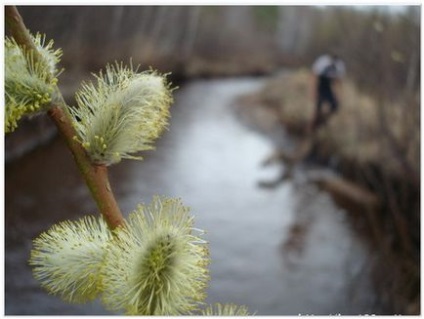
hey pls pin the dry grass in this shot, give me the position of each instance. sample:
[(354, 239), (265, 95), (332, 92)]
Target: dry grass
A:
[(354, 132)]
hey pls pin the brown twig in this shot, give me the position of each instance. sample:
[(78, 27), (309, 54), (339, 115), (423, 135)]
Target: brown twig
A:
[(95, 176)]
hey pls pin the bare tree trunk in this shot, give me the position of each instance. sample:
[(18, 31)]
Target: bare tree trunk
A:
[(192, 29), (169, 42), (118, 14), (158, 23), (158, 29), (292, 36), (147, 16), (77, 43), (412, 73)]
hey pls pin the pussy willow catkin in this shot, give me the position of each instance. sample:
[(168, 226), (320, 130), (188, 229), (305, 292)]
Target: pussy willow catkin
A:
[(29, 81), (67, 258), (157, 265), (121, 114)]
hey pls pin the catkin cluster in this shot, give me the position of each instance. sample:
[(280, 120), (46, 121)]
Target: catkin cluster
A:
[(156, 264)]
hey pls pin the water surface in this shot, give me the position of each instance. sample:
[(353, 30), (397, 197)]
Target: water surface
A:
[(282, 251)]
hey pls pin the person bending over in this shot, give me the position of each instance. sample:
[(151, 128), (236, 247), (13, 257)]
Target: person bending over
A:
[(328, 71)]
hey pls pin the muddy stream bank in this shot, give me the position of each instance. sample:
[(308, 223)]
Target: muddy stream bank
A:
[(284, 251)]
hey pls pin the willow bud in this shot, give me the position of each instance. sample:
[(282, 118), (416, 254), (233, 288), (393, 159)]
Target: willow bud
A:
[(121, 114), (29, 81), (156, 265), (67, 258)]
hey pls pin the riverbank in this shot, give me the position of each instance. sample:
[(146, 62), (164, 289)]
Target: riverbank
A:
[(376, 182)]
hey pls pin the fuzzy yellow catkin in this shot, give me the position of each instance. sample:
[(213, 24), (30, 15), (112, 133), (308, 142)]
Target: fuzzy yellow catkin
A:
[(29, 82), (122, 113), (67, 258), (225, 310), (157, 264)]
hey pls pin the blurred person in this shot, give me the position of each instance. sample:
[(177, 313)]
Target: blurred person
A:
[(328, 71)]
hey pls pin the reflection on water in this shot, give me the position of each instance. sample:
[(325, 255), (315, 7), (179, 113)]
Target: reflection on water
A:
[(283, 251)]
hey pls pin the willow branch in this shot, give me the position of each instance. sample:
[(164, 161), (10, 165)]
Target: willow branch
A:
[(95, 176)]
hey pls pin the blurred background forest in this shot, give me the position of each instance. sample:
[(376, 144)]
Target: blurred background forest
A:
[(373, 143), (195, 41)]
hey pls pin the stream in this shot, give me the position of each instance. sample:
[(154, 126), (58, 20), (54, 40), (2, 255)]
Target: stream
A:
[(283, 251)]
